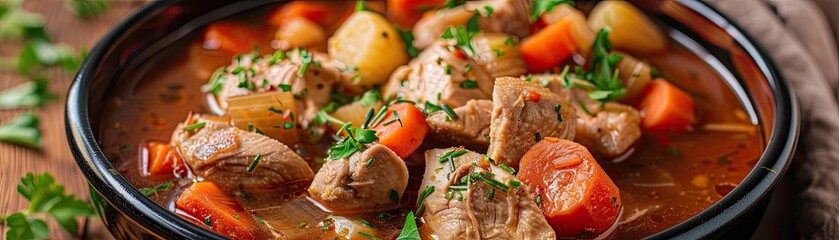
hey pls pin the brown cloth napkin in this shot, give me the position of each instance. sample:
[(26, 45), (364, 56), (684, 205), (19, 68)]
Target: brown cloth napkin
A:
[(801, 38)]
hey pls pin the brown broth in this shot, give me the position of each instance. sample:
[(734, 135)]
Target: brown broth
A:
[(668, 177)]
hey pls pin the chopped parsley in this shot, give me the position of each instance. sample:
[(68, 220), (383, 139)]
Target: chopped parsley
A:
[(159, 188), (284, 87), (365, 223), (498, 52), (541, 6), (424, 194), (279, 55), (491, 194), (463, 35), (255, 161), (195, 126), (454, 3), (360, 6), (469, 84), (450, 112), (601, 73), (510, 41), (409, 229), (288, 125), (489, 10), (408, 37), (394, 196), (353, 142), (306, 59), (452, 154)]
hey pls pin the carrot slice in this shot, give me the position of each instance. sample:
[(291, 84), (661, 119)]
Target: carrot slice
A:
[(230, 37), (549, 47), (666, 107), (405, 134), (163, 160), (407, 12), (323, 13), (217, 210), (577, 197)]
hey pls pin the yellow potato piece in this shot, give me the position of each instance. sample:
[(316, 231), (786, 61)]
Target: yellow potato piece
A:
[(631, 29), (370, 43)]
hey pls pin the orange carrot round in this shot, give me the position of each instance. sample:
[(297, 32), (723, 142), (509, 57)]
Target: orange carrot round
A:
[(162, 159), (405, 134), (666, 107), (549, 47), (217, 210), (577, 197)]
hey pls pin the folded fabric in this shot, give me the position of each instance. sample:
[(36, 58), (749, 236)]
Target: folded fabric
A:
[(799, 39)]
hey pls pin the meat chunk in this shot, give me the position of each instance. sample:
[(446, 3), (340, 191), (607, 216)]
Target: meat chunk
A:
[(247, 75), (611, 131), (522, 112), (475, 209), (608, 130), (509, 17), (366, 181), (425, 79), (221, 153), (470, 129), (439, 75)]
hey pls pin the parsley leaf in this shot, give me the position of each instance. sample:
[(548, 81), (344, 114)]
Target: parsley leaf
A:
[(541, 6), (87, 8), (408, 37), (360, 6), (29, 94), (463, 35), (454, 3), (159, 188), (371, 97), (23, 131), (602, 74), (409, 229), (45, 196), (306, 60)]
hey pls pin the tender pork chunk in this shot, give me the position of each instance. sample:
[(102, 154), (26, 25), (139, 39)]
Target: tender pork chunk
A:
[(471, 213), (426, 79), (609, 131), (221, 153), (522, 112), (359, 184), (509, 17), (471, 129), (312, 89)]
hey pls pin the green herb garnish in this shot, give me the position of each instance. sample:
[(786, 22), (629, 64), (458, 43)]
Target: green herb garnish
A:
[(408, 37), (463, 35), (195, 126), (452, 154), (306, 59), (23, 131), (409, 229), (45, 197), (360, 6), (469, 84), (450, 112), (159, 188), (541, 6), (255, 161)]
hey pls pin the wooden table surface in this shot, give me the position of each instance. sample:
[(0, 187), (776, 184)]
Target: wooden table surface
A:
[(55, 157)]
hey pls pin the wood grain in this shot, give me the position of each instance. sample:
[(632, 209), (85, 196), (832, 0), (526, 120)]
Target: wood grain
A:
[(55, 157)]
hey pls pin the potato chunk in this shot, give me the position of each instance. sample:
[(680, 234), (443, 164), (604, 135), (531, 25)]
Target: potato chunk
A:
[(631, 29), (370, 43)]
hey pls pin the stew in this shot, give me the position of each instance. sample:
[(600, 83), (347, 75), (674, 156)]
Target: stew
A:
[(433, 119)]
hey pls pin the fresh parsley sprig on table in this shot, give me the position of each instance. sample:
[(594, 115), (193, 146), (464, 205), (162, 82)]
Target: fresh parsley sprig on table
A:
[(45, 196), (23, 131)]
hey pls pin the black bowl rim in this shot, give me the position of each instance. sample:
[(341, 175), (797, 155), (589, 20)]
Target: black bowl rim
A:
[(122, 195)]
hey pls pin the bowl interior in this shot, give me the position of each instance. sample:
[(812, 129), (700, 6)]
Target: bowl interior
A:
[(692, 24)]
